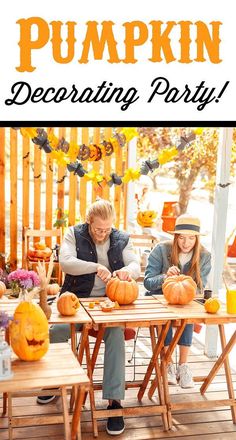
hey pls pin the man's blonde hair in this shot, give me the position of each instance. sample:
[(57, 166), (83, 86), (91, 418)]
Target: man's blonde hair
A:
[(101, 208)]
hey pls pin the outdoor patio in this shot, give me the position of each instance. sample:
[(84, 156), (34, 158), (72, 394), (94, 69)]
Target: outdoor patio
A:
[(52, 183)]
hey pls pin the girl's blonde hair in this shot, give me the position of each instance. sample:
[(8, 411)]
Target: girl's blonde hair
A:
[(194, 270), (102, 209)]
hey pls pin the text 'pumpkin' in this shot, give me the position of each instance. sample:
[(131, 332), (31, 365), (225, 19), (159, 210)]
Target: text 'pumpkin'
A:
[(124, 292), (67, 304), (179, 289), (29, 333)]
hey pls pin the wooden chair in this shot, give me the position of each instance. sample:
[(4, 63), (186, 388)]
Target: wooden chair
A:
[(52, 237), (142, 243)]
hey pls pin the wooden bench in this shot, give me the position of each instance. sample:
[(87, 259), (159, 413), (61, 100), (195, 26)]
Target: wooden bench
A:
[(59, 369)]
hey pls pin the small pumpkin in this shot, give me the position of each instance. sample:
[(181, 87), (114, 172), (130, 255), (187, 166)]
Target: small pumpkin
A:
[(212, 305), (40, 245), (124, 292), (53, 289), (2, 288), (29, 332), (146, 218), (67, 304), (179, 289)]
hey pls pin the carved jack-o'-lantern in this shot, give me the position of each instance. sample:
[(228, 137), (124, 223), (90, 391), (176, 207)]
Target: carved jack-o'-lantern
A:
[(29, 332), (67, 304), (146, 218)]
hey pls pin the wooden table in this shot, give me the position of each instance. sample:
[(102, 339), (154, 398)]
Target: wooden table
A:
[(81, 317), (57, 369), (144, 312), (190, 314)]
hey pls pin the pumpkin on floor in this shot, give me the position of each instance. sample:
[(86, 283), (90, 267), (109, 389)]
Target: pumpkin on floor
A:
[(179, 289), (67, 304), (124, 292), (212, 305), (2, 288), (29, 332), (146, 218)]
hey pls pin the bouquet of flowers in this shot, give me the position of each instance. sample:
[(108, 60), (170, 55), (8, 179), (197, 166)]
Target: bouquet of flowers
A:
[(21, 280)]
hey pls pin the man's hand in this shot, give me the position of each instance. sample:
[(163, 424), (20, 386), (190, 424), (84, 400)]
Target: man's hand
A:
[(122, 274), (103, 273), (173, 270)]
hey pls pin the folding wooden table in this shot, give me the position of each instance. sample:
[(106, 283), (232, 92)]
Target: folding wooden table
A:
[(144, 312), (190, 314), (57, 369)]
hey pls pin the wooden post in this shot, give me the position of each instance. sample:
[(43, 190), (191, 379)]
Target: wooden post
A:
[(219, 226), (132, 163), (2, 195)]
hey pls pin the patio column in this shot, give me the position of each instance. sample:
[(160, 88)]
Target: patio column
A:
[(219, 227), (132, 163)]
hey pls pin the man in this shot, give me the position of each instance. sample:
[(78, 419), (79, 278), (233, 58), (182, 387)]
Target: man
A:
[(90, 255)]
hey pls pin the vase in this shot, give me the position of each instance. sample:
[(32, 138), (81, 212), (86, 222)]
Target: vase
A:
[(23, 294), (5, 359)]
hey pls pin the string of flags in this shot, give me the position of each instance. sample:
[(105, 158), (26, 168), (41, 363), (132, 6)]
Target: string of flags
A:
[(71, 155)]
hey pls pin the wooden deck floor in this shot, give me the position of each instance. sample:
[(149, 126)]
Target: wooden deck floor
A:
[(188, 424)]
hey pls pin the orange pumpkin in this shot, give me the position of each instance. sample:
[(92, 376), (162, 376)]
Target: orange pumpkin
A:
[(53, 289), (212, 305), (179, 289), (40, 245), (29, 332), (146, 218), (39, 254), (124, 292), (67, 304), (2, 288)]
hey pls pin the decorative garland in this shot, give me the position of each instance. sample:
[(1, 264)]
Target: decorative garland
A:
[(70, 154)]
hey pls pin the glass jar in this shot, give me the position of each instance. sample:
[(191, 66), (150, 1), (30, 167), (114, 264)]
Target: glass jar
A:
[(5, 359)]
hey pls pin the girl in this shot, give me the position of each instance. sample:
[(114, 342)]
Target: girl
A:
[(184, 255)]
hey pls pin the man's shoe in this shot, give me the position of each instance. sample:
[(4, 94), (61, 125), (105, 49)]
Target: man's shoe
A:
[(115, 425), (171, 374), (43, 400), (185, 377)]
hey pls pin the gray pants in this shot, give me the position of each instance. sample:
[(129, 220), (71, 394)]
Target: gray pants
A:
[(114, 358)]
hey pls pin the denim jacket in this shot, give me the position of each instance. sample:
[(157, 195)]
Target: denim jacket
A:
[(159, 262)]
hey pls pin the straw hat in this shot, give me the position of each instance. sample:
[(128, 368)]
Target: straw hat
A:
[(187, 225)]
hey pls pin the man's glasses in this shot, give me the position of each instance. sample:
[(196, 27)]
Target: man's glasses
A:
[(102, 231)]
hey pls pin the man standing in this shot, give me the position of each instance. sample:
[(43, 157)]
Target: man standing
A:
[(90, 255)]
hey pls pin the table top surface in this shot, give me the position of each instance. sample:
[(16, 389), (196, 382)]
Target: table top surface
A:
[(58, 367), (81, 316), (144, 311), (154, 310)]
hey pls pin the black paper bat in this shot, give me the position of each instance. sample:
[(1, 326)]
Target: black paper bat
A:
[(184, 141), (149, 165)]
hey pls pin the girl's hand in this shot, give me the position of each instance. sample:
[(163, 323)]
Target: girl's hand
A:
[(173, 270)]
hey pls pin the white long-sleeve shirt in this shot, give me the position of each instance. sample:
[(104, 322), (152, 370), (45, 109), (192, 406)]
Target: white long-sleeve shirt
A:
[(72, 265)]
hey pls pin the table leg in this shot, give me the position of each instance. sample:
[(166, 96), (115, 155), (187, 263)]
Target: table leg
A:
[(76, 428), (4, 408), (226, 348), (153, 360), (10, 429), (91, 390), (158, 381), (65, 413)]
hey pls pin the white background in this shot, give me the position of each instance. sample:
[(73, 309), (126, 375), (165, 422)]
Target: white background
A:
[(140, 75)]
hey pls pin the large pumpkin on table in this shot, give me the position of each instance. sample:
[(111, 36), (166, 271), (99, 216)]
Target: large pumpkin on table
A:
[(124, 292), (179, 289), (67, 304), (29, 333)]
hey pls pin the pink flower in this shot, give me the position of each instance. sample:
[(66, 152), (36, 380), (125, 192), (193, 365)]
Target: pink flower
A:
[(26, 279)]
